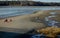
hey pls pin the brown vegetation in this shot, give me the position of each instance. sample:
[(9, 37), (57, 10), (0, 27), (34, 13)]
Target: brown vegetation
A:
[(50, 31)]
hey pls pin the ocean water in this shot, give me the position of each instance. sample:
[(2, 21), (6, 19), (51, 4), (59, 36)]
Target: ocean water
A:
[(7, 11)]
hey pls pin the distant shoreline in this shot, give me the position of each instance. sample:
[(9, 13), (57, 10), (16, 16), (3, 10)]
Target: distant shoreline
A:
[(29, 6), (27, 3)]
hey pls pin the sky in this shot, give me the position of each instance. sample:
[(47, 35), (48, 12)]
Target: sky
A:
[(48, 0)]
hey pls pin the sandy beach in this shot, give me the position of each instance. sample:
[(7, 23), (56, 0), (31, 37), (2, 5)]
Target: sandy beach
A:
[(23, 23), (19, 22)]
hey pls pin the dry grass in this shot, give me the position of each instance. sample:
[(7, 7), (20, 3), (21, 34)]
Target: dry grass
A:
[(50, 31)]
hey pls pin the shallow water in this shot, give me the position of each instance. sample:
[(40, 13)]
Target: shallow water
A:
[(7, 11)]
